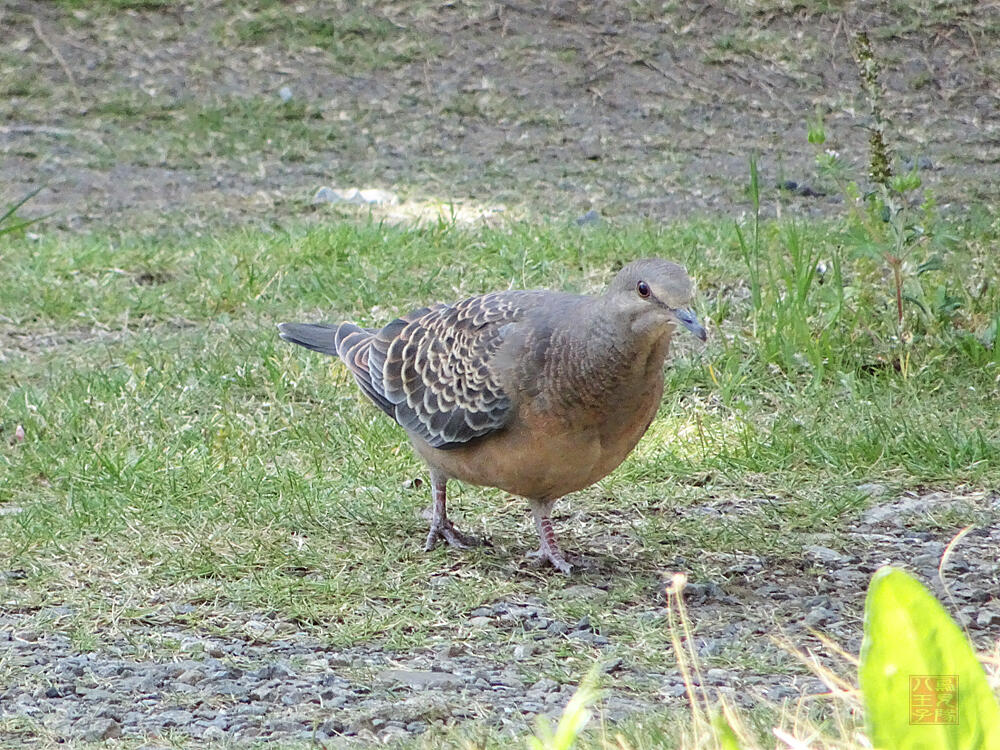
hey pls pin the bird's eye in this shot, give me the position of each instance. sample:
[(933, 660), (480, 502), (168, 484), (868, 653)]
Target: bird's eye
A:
[(643, 289)]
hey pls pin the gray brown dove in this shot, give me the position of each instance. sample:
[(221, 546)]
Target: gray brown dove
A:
[(538, 393)]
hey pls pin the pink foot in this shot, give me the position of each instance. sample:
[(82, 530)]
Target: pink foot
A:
[(548, 550), (441, 526)]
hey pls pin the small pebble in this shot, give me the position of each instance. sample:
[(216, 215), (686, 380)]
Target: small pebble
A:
[(99, 730), (523, 651), (988, 618)]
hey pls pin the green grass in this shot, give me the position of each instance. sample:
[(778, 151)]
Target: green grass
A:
[(185, 133), (177, 449), (111, 6), (357, 39)]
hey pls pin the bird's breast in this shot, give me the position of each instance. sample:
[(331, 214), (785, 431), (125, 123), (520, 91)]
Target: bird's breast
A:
[(544, 454)]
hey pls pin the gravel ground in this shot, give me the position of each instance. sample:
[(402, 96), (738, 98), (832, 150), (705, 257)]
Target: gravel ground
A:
[(279, 683)]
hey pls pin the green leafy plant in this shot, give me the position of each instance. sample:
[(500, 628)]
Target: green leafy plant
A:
[(725, 735), (574, 718), (831, 170), (911, 643)]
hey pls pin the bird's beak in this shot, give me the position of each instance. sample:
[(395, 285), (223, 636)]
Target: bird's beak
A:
[(689, 320)]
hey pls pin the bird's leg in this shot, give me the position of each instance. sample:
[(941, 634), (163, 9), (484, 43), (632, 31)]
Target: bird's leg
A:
[(441, 526), (549, 548)]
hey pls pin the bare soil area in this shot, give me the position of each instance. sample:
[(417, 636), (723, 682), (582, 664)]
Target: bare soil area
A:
[(130, 111)]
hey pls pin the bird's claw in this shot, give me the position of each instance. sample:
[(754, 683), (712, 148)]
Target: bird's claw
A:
[(450, 534), (553, 557)]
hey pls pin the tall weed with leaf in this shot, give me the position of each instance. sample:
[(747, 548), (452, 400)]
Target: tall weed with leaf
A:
[(891, 197), (900, 228), (908, 638), (894, 233)]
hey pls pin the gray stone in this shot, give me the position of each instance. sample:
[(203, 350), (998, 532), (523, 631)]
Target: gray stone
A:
[(819, 616), (418, 679), (824, 554), (523, 651), (987, 618), (175, 718), (872, 489), (98, 730)]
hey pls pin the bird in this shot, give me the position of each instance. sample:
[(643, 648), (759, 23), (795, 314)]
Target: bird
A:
[(538, 393)]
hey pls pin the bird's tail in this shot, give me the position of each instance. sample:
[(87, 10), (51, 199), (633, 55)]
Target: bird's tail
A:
[(335, 340), (349, 342)]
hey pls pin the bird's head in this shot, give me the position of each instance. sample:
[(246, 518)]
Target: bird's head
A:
[(655, 296)]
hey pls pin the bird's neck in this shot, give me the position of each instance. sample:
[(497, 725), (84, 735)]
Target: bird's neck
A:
[(624, 340), (616, 358)]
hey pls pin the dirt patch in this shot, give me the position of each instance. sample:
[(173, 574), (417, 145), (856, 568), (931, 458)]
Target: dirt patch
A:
[(212, 110)]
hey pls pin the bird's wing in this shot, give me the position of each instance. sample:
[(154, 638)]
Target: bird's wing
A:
[(430, 370), (353, 344)]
